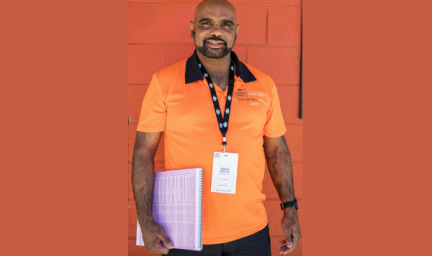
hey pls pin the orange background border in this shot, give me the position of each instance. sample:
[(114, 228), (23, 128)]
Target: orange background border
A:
[(366, 125)]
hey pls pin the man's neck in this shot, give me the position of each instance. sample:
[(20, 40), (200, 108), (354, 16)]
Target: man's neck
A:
[(215, 65)]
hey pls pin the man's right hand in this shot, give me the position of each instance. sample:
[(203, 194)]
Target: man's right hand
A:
[(153, 236)]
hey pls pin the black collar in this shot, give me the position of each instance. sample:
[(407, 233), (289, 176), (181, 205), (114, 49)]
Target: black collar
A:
[(193, 72)]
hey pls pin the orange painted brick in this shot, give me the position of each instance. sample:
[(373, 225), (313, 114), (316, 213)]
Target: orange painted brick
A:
[(252, 20), (178, 53), (284, 25), (132, 130), (160, 153), (189, 1), (136, 95), (294, 139), (241, 52), (281, 63), (289, 97), (132, 219), (279, 2), (144, 61), (134, 250), (270, 191), (160, 22), (159, 166), (275, 214), (298, 179), (130, 189), (300, 211), (238, 2), (276, 245)]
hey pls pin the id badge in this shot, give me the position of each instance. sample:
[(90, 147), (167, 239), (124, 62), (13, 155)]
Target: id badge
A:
[(224, 175)]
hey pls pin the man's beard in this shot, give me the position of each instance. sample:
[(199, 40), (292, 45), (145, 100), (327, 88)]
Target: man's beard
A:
[(214, 53)]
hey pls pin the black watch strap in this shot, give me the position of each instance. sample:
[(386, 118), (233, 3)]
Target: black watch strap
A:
[(289, 204)]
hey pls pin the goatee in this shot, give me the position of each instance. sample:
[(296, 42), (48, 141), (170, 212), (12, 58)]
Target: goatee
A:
[(214, 53)]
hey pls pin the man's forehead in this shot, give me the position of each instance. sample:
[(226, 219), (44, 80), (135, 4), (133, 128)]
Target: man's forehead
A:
[(215, 9)]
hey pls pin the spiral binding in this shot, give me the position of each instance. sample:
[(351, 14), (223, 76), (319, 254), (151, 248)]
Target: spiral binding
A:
[(199, 209)]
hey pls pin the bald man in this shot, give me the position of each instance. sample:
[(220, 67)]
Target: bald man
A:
[(193, 103)]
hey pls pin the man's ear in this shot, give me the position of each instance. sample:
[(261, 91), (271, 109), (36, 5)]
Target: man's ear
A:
[(238, 26), (191, 27)]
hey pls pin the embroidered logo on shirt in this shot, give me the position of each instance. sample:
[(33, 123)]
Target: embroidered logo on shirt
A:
[(241, 93)]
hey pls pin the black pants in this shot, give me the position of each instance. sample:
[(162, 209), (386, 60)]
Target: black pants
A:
[(257, 244)]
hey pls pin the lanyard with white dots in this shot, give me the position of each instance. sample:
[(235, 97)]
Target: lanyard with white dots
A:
[(223, 122)]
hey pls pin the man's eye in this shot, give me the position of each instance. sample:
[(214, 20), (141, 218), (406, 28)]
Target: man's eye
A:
[(226, 25), (206, 23)]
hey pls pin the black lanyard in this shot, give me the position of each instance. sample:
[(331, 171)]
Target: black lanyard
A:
[(223, 122)]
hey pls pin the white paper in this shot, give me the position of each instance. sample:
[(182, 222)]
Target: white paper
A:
[(224, 174)]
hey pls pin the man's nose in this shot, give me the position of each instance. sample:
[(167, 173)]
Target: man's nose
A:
[(217, 31)]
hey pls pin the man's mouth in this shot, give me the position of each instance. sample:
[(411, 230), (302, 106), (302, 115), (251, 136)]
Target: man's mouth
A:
[(215, 43)]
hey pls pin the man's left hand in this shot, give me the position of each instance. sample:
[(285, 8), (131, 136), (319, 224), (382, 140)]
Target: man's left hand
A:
[(291, 228)]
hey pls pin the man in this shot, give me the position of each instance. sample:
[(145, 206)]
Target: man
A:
[(195, 125)]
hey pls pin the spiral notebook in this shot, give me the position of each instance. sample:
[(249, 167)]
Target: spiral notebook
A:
[(177, 203)]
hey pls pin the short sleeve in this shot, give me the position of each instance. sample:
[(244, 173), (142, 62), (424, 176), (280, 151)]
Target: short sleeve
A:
[(275, 125), (153, 111)]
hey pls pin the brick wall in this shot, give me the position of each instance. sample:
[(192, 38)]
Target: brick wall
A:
[(269, 39)]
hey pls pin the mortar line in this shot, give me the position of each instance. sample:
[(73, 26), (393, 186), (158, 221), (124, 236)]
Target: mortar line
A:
[(266, 37)]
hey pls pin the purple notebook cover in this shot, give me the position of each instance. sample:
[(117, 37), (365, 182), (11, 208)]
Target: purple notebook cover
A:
[(177, 196)]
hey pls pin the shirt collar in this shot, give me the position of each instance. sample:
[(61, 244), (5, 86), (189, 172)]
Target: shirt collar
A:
[(193, 73)]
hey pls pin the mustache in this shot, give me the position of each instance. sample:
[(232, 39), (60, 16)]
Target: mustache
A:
[(215, 38)]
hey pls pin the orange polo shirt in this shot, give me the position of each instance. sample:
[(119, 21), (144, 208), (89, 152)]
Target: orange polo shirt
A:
[(178, 102)]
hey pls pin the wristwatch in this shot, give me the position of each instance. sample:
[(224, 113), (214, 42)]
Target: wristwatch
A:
[(289, 204)]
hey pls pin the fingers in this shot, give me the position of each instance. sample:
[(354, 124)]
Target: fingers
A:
[(164, 243), (289, 245), (291, 228), (283, 250), (166, 240), (159, 248), (158, 241), (289, 241)]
